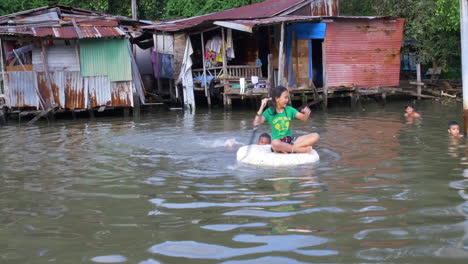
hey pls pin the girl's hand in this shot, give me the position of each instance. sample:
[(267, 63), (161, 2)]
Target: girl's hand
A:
[(306, 110), (264, 102)]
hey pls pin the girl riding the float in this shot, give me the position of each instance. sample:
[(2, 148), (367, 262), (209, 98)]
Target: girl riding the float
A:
[(279, 115)]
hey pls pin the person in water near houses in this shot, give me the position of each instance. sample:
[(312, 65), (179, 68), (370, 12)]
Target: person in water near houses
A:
[(264, 139), (454, 129), (279, 116), (409, 109)]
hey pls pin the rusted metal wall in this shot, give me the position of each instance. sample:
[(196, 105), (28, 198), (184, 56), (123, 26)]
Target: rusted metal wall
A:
[(363, 53), (21, 87), (122, 94), (325, 8), (99, 91), (76, 93)]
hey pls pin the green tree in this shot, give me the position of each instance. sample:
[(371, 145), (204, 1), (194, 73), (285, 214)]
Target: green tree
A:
[(188, 8)]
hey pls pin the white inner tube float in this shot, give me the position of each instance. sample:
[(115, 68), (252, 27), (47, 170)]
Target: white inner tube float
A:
[(261, 155)]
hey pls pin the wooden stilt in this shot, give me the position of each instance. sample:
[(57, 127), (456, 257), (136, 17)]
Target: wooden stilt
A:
[(384, 98), (73, 112), (271, 75), (126, 112), (225, 73), (281, 57), (2, 116), (136, 106), (207, 93), (91, 113), (418, 79), (325, 77)]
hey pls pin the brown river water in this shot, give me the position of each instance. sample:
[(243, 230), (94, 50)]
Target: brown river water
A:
[(166, 189)]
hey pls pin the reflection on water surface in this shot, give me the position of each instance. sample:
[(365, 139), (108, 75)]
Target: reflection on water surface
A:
[(167, 189)]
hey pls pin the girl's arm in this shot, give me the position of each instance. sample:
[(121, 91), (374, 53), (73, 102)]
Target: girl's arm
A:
[(304, 114), (259, 119)]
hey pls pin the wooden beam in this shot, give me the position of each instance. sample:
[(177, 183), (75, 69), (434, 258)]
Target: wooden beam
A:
[(271, 75), (49, 101), (77, 29), (207, 94), (2, 68), (296, 71), (281, 57), (224, 67), (204, 30), (418, 79), (42, 114), (325, 77), (235, 26)]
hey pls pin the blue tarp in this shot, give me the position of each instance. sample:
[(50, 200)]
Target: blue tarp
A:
[(303, 31)]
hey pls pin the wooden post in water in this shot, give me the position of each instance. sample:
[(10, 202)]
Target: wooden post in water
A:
[(207, 93), (225, 75), (418, 79), (281, 57), (464, 52), (271, 75), (2, 68)]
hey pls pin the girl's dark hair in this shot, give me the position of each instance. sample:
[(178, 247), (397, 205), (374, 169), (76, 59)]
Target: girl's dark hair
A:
[(275, 94)]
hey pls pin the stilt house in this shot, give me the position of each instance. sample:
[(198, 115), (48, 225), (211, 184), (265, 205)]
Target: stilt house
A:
[(302, 44), (61, 57)]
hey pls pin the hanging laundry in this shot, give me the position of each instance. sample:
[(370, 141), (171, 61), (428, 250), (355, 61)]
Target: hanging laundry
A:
[(229, 45), (214, 44), (162, 65)]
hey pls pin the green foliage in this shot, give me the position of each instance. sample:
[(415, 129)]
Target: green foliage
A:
[(188, 8)]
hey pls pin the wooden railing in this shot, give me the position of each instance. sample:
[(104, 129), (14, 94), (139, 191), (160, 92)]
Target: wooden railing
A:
[(233, 71)]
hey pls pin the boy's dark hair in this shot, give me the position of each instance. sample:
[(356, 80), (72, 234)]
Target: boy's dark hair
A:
[(265, 135), (452, 123), (409, 105)]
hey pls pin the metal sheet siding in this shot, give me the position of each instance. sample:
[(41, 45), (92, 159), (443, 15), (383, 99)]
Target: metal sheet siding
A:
[(22, 90), (325, 8), (99, 91), (122, 95), (58, 87), (363, 53), (59, 58), (76, 92), (102, 57)]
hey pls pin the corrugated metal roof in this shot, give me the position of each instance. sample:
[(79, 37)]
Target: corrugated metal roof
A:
[(49, 16), (69, 32), (363, 53), (21, 89), (259, 10), (248, 25)]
